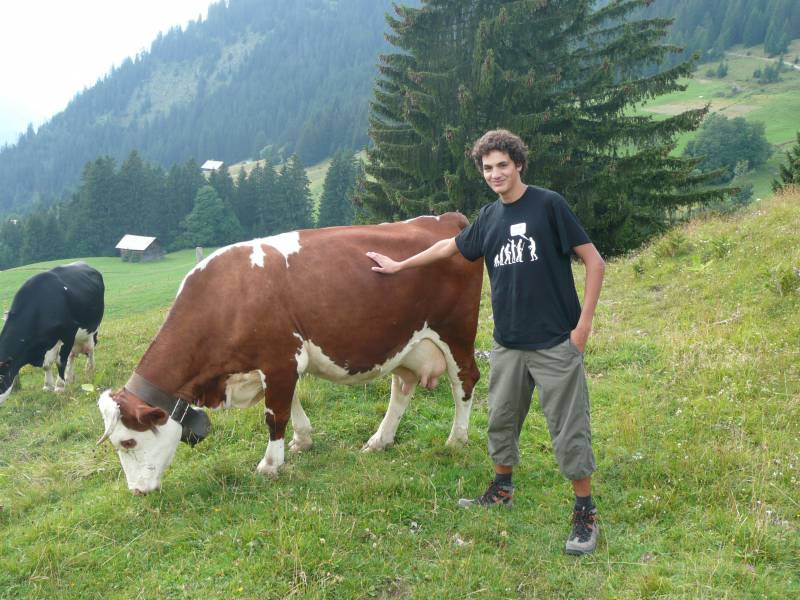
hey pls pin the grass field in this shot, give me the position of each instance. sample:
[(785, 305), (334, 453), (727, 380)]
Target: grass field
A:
[(694, 375)]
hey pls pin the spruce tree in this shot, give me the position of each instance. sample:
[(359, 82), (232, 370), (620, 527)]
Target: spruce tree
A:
[(790, 172), (212, 222), (153, 206), (222, 182), (93, 229), (10, 243), (42, 238), (265, 221), (293, 195), (34, 243), (130, 211), (244, 201), (336, 204), (564, 77), (183, 182)]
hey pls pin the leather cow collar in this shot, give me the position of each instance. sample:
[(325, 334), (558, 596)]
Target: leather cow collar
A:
[(195, 423)]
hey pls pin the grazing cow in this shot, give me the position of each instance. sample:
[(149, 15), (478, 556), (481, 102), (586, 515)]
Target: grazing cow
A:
[(253, 317), (54, 316)]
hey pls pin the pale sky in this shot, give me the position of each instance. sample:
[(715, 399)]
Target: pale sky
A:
[(52, 49)]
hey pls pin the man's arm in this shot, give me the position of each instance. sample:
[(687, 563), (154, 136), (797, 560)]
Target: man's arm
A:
[(595, 268), (440, 250)]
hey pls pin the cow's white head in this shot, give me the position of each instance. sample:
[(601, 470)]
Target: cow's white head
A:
[(144, 437)]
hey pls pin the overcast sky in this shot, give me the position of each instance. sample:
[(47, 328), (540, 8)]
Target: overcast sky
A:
[(52, 49)]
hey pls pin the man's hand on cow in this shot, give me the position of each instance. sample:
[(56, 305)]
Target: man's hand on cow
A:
[(385, 264), (579, 336)]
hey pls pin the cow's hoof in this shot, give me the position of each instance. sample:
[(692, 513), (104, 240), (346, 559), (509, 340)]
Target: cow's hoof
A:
[(267, 470), (457, 439), (300, 443), (47, 388), (375, 444)]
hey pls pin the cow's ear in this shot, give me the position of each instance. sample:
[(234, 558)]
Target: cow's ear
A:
[(151, 416)]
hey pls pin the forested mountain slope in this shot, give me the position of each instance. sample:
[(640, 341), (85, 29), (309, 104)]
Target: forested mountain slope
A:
[(257, 76), (712, 26)]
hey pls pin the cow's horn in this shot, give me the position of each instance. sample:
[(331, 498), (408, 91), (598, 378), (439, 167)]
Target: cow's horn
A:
[(110, 428)]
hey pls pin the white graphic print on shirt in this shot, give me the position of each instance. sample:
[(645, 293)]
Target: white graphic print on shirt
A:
[(512, 252)]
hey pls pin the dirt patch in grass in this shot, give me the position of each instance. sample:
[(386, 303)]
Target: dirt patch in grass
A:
[(729, 110), (675, 108), (735, 110)]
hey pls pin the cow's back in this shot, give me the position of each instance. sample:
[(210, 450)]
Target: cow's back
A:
[(84, 293), (329, 294)]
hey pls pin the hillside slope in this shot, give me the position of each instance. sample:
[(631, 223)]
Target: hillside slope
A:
[(694, 371)]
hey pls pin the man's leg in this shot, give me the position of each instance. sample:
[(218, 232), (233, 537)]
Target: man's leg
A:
[(564, 397), (582, 487), (510, 390)]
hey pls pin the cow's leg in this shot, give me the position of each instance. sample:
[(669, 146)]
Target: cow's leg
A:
[(48, 364), (69, 371), (301, 427), (88, 350), (49, 384), (63, 363), (278, 399), (464, 374), (459, 433), (398, 402)]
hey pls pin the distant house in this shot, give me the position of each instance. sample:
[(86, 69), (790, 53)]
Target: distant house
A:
[(210, 166), (139, 248)]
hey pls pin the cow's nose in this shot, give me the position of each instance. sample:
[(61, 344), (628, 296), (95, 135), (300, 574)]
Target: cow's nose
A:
[(138, 492)]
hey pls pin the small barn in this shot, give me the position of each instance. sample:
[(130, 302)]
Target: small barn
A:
[(139, 248), (210, 166)]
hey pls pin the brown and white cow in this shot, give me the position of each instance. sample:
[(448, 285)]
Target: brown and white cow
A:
[(253, 317)]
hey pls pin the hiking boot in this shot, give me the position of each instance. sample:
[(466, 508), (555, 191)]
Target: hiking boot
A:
[(496, 495), (583, 539)]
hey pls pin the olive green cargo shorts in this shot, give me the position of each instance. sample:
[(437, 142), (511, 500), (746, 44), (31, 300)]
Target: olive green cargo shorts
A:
[(558, 374)]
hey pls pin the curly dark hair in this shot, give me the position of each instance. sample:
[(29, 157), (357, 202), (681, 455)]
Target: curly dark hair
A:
[(504, 141)]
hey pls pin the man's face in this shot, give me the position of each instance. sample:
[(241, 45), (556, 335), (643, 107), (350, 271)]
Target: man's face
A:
[(500, 172)]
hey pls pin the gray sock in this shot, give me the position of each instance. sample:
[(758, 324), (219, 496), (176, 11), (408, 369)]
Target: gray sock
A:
[(502, 478)]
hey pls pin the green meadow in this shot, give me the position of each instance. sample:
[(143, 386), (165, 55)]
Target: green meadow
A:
[(694, 374)]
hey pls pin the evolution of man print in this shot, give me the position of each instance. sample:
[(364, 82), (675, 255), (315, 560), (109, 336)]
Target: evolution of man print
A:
[(514, 250)]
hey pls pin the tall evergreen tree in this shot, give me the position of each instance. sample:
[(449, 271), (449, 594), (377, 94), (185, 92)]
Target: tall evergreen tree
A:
[(42, 238), (137, 188), (293, 209), (93, 231), (790, 172), (265, 184), (183, 182), (222, 182), (10, 243), (243, 201), (336, 203), (212, 222), (558, 73)]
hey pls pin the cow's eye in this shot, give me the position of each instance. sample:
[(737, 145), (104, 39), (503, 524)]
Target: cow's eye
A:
[(128, 444)]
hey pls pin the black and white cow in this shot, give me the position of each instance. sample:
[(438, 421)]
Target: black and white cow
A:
[(53, 317)]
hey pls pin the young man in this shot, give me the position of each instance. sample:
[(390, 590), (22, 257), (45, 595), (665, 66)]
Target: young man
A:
[(540, 331)]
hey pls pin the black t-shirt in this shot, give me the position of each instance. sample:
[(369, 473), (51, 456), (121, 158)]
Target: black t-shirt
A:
[(527, 246)]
